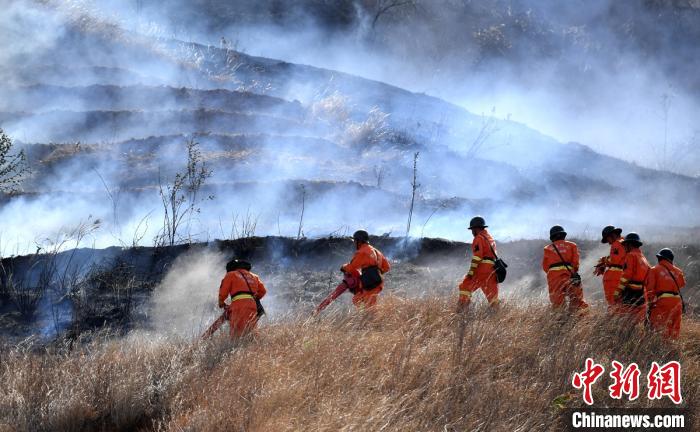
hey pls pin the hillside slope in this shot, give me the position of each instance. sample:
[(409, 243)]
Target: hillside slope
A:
[(105, 113)]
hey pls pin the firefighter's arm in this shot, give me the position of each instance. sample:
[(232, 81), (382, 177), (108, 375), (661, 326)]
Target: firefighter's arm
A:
[(681, 280), (354, 265), (477, 255), (223, 292), (627, 272), (385, 266), (260, 289), (599, 268), (576, 259), (341, 288), (650, 287), (545, 261)]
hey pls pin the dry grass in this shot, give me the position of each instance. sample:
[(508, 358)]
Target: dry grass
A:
[(412, 365)]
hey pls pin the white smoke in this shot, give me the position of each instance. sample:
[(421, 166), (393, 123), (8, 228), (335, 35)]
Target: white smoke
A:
[(185, 301)]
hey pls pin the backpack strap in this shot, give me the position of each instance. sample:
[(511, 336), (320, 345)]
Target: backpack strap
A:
[(670, 273), (566, 264), (245, 279), (490, 247)]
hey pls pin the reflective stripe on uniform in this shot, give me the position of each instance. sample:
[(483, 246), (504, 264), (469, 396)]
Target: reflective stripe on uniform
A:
[(635, 286), (611, 268), (487, 261), (476, 258), (667, 295), (242, 297), (494, 301), (465, 293), (557, 268)]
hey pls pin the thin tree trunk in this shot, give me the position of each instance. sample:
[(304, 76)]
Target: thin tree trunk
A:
[(301, 218), (414, 186)]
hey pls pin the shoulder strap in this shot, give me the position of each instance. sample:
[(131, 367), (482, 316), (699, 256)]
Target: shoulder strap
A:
[(562, 259), (670, 273), (245, 279), (490, 247)]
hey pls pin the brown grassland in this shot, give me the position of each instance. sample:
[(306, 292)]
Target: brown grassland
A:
[(410, 365)]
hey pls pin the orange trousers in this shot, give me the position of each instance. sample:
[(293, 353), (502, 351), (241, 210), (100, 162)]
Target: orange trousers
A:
[(242, 317), (561, 288), (611, 280), (635, 313), (368, 298), (484, 280), (665, 316)]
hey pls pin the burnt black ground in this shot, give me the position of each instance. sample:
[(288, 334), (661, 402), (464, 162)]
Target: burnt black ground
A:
[(112, 288)]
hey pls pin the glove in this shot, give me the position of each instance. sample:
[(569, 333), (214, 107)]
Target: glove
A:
[(222, 305), (599, 269), (575, 279), (342, 268)]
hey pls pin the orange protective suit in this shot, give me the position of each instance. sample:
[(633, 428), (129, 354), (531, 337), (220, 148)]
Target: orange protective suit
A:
[(559, 271), (366, 256), (663, 298), (243, 287), (613, 272), (634, 274), (481, 273)]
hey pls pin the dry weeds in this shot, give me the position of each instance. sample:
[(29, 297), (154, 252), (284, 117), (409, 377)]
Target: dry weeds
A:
[(412, 365)]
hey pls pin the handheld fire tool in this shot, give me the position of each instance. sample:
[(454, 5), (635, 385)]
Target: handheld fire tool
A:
[(216, 324)]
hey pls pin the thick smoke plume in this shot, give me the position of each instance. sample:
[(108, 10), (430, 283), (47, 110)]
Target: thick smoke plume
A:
[(105, 97)]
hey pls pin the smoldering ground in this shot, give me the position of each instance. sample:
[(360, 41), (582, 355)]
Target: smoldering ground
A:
[(172, 291)]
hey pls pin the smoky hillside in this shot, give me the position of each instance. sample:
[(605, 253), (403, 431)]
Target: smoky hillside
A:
[(617, 76), (111, 119)]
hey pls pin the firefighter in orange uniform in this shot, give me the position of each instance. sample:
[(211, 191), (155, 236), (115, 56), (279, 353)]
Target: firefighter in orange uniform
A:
[(561, 263), (481, 273), (363, 275), (611, 266), (630, 291), (663, 295), (243, 287)]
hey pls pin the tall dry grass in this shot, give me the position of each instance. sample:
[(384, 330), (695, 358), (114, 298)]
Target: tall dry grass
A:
[(411, 365)]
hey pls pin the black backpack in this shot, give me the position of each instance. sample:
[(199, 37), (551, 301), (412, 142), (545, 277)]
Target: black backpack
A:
[(500, 266), (371, 276)]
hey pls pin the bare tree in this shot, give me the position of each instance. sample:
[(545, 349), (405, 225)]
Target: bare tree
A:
[(414, 187), (300, 232), (488, 128), (442, 205), (242, 226), (113, 194), (379, 173), (382, 7), (180, 198), (666, 98), (13, 167)]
